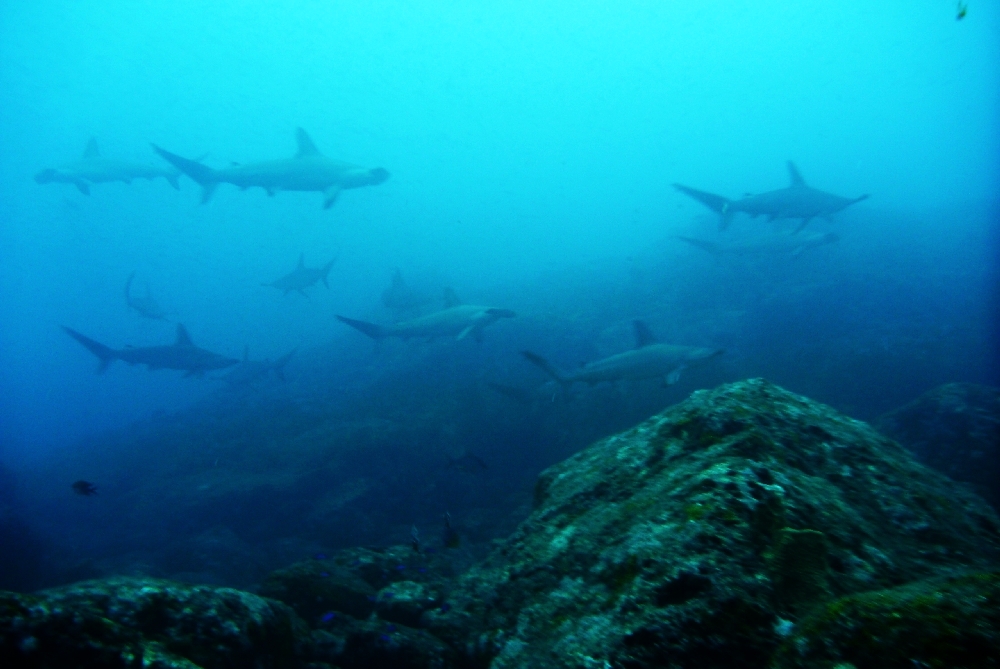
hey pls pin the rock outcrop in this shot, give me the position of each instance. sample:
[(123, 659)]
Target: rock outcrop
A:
[(703, 536), (955, 429), (135, 622)]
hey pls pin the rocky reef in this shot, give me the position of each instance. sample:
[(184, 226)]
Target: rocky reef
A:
[(136, 622), (747, 526), (703, 536), (954, 428)]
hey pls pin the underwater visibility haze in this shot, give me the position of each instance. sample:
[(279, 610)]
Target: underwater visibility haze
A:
[(352, 276)]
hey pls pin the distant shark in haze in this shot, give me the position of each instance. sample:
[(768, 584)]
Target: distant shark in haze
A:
[(400, 298), (248, 371), (797, 201), (308, 170), (774, 245), (182, 354), (647, 360), (455, 320), (302, 277), (145, 306), (92, 168)]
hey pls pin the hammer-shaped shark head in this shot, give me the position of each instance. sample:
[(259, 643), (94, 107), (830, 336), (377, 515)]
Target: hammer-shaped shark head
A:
[(378, 175)]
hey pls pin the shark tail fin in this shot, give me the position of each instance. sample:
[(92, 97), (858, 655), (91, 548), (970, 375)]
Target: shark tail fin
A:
[(371, 329), (326, 271), (105, 355), (716, 203), (547, 367), (202, 174), (710, 247)]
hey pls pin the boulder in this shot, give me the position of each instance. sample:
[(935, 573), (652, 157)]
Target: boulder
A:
[(703, 536), (128, 622), (954, 428)]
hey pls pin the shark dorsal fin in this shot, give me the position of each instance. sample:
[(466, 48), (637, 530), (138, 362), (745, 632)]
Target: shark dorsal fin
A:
[(450, 299), (302, 260), (306, 147), (246, 352), (643, 335), (397, 279), (91, 151), (183, 338), (793, 173)]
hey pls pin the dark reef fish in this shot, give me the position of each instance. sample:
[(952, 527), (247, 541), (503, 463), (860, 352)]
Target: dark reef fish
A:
[(182, 354), (85, 488), (146, 306), (308, 170), (302, 277), (797, 201), (92, 168), (455, 320), (647, 360)]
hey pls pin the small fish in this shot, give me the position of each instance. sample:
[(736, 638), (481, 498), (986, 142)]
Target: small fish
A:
[(390, 628), (414, 540), (328, 616), (963, 9), (320, 556), (85, 488), (446, 607), (324, 574)]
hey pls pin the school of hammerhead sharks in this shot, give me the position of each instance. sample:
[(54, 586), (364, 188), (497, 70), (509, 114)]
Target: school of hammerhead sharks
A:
[(310, 170)]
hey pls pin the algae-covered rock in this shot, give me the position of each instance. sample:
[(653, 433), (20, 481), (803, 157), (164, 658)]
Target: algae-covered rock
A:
[(951, 622), (954, 428), (700, 537), (136, 622)]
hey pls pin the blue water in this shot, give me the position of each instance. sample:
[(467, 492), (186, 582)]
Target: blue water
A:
[(532, 147)]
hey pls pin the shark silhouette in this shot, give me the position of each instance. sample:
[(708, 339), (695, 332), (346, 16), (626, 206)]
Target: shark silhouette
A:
[(182, 354), (93, 168), (302, 277), (797, 201), (308, 170), (647, 360)]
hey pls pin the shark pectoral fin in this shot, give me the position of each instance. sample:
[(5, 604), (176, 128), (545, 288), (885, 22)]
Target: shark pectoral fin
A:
[(207, 190), (798, 250), (330, 195), (674, 376), (303, 293), (466, 332), (82, 186), (271, 191)]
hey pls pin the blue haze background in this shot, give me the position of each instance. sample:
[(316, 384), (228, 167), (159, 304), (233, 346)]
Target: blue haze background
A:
[(532, 147)]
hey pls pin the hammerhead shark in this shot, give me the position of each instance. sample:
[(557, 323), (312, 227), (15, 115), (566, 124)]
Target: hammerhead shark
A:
[(93, 168), (182, 354), (647, 360), (146, 306), (248, 371), (455, 320), (773, 245), (302, 277), (308, 170), (797, 201)]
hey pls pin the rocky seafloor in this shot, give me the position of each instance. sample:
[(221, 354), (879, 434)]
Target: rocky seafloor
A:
[(745, 527)]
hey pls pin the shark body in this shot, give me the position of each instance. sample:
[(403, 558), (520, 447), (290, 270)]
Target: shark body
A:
[(308, 170), (146, 306), (302, 277), (181, 355), (455, 320), (93, 168), (248, 371), (776, 245), (797, 201), (648, 360)]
